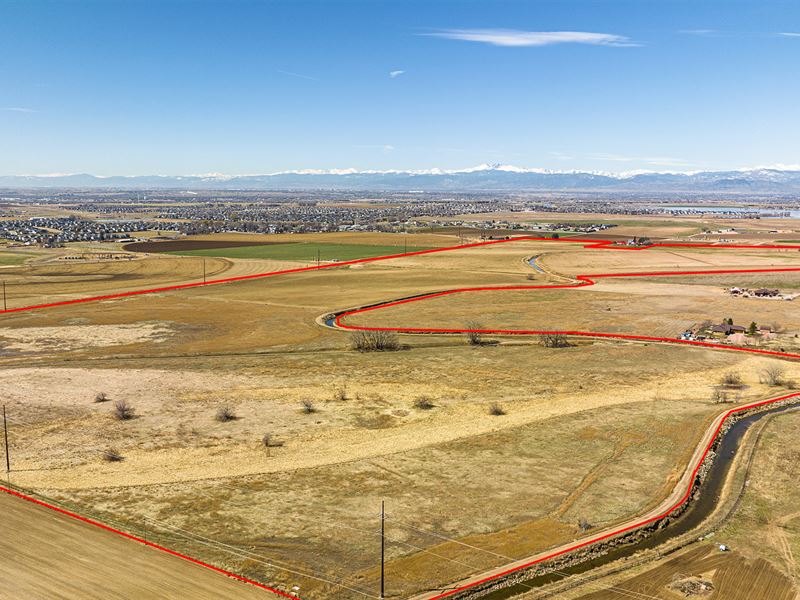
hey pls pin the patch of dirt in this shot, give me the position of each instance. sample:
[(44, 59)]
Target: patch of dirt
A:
[(75, 337)]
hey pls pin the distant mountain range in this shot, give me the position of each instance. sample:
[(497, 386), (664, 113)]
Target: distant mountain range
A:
[(484, 177)]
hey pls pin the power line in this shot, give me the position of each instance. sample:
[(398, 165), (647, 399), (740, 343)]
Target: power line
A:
[(250, 556)]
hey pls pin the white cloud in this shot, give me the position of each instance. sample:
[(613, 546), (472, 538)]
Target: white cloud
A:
[(515, 37), (300, 75), (394, 74), (790, 34), (18, 109), (698, 31)]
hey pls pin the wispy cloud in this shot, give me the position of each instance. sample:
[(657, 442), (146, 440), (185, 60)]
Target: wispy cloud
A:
[(656, 161), (385, 148), (700, 32), (792, 34), (515, 37), (18, 109), (394, 74), (561, 155), (300, 75)]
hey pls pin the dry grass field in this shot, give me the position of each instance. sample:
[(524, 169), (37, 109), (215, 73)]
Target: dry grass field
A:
[(598, 431), (762, 532)]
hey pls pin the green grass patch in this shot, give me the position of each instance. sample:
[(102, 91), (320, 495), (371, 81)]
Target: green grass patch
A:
[(302, 251), (13, 258)]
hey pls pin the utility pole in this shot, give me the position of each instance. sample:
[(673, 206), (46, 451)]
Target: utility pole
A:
[(317, 256), (383, 546), (405, 245), (5, 304), (5, 435), (204, 270)]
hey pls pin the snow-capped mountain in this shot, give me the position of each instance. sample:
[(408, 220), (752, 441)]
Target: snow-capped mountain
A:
[(482, 177)]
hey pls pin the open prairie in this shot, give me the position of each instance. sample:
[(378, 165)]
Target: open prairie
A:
[(465, 489)]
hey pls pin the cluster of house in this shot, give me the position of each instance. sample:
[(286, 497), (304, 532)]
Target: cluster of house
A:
[(638, 242), (53, 232), (725, 330), (759, 293)]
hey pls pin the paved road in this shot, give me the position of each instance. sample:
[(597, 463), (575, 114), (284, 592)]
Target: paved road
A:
[(48, 556)]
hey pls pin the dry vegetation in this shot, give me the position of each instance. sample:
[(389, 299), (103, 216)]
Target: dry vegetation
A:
[(257, 427)]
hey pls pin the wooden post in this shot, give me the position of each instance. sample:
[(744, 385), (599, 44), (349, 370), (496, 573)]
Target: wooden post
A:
[(383, 548), (5, 435)]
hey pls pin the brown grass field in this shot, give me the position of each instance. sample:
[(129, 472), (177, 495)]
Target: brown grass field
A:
[(598, 431)]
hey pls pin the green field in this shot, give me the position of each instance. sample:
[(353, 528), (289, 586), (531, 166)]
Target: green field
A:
[(302, 251), (14, 258)]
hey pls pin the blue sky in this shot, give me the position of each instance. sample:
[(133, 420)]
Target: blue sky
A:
[(185, 87)]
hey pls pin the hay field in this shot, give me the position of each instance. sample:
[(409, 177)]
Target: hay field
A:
[(598, 431)]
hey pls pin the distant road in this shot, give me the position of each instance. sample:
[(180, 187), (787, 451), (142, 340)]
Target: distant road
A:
[(45, 555)]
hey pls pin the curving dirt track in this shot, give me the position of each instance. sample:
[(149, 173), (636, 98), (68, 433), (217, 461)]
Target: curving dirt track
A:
[(583, 280), (681, 491)]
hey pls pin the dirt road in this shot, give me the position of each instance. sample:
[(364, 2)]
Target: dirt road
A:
[(46, 556)]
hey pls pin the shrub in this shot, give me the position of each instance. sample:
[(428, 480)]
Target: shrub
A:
[(374, 341), (719, 397), (424, 403), (101, 397), (731, 379), (584, 525), (473, 336), (225, 414), (340, 393), (308, 407), (123, 411), (268, 440), (111, 455), (553, 340), (496, 410)]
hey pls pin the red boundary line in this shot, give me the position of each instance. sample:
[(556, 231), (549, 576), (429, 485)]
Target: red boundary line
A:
[(637, 525), (143, 541), (585, 280)]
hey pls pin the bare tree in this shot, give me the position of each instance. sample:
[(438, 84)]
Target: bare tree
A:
[(773, 375), (308, 407), (123, 411), (101, 397), (554, 340), (473, 333), (374, 341)]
